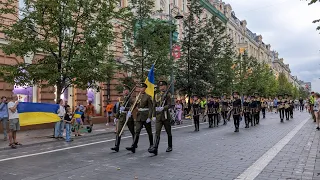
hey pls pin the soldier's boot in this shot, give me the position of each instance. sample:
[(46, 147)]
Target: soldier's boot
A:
[(169, 149), (117, 144), (195, 125), (154, 149), (150, 141), (210, 123), (134, 145), (198, 125)]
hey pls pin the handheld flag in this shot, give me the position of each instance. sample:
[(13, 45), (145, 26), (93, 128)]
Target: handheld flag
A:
[(78, 114), (150, 82), (37, 113)]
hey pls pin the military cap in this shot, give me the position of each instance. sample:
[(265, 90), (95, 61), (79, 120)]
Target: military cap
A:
[(143, 85), (162, 83)]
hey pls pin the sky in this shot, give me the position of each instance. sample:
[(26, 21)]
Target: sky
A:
[(287, 26)]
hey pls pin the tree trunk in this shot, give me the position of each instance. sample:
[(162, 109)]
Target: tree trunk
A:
[(59, 91)]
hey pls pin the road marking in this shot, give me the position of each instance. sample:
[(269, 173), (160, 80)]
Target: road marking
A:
[(82, 145), (256, 168)]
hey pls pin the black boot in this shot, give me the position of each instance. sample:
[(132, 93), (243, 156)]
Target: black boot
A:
[(195, 126), (154, 149), (198, 125), (224, 122), (169, 149), (134, 145), (117, 144)]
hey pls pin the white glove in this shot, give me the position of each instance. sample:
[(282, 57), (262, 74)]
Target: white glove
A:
[(115, 120), (122, 108), (148, 120), (128, 114), (159, 109), (154, 119)]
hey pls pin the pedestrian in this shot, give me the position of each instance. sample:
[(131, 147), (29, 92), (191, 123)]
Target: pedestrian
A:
[(109, 110), (275, 104), (178, 108), (281, 107), (264, 105), (59, 126), (316, 107), (90, 113), (68, 120), (287, 106), (145, 108), (162, 104), (301, 101), (4, 116), (14, 124), (78, 122)]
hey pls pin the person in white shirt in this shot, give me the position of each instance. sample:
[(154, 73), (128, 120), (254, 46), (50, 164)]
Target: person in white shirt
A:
[(59, 127), (14, 124)]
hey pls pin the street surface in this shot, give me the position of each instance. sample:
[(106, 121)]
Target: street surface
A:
[(271, 150)]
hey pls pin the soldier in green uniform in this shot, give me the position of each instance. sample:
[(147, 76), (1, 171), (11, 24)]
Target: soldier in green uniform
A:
[(162, 104), (144, 105), (124, 107)]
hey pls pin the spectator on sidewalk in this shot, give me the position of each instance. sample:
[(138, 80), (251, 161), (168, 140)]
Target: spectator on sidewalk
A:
[(14, 124), (4, 116), (59, 127), (275, 104), (316, 107), (109, 110), (78, 122), (90, 113), (68, 120)]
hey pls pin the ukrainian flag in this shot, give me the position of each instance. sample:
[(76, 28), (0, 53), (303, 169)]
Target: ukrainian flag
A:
[(37, 113), (150, 82), (78, 114)]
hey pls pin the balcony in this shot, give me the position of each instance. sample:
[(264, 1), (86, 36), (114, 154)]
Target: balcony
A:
[(209, 7)]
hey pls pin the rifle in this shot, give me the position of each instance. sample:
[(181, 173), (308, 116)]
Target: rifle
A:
[(163, 98), (128, 99)]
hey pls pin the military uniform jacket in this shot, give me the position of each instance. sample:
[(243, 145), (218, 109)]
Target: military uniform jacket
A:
[(246, 108), (196, 108), (282, 104), (158, 102), (145, 107), (213, 107), (254, 106), (286, 104), (123, 100), (264, 104), (225, 105), (236, 107), (259, 104)]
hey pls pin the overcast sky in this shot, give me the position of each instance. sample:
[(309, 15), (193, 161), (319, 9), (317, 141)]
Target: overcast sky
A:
[(287, 26)]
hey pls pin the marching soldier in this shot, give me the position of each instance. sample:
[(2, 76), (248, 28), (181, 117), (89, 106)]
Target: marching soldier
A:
[(162, 104), (120, 117), (144, 105), (236, 111), (196, 111), (246, 110), (224, 108), (252, 107), (287, 106), (264, 105), (281, 107), (291, 102), (258, 101)]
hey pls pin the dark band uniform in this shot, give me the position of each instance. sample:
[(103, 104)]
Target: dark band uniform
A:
[(162, 118), (236, 112), (264, 105), (212, 110), (224, 110), (287, 107), (254, 108), (281, 107), (145, 107), (121, 116), (196, 111), (246, 112)]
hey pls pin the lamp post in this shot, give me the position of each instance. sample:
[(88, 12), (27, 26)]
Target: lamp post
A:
[(178, 16)]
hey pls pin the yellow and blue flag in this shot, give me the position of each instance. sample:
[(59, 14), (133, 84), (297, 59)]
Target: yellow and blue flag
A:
[(37, 113), (150, 82), (77, 114)]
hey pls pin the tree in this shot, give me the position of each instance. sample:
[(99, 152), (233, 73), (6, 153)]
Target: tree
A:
[(317, 20), (284, 85), (73, 36), (191, 72), (147, 41)]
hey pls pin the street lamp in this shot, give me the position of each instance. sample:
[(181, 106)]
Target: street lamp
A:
[(178, 16)]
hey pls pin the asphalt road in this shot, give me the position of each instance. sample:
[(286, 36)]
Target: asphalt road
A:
[(216, 153)]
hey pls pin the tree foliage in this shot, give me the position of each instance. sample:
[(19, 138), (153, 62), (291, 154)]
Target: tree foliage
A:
[(72, 37)]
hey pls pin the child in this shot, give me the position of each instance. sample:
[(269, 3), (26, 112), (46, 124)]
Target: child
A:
[(78, 121), (68, 119)]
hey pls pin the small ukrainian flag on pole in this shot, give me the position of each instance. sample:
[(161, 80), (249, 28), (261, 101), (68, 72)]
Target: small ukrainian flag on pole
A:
[(150, 82)]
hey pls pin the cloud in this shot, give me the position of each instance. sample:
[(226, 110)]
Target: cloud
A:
[(287, 26)]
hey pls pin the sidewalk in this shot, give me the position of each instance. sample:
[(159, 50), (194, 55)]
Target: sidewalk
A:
[(34, 137)]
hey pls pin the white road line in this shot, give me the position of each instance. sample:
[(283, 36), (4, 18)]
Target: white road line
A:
[(82, 145), (256, 168)]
